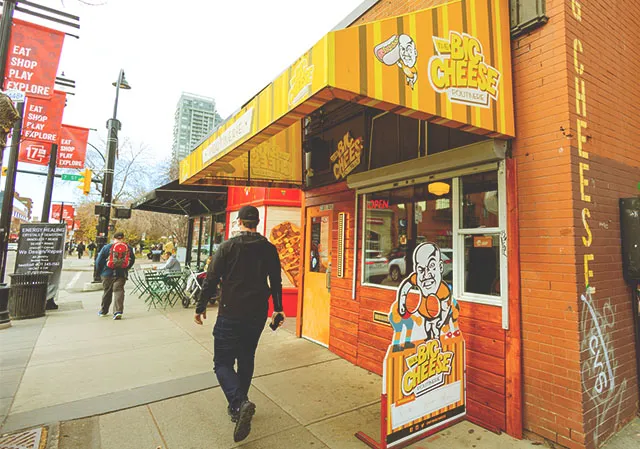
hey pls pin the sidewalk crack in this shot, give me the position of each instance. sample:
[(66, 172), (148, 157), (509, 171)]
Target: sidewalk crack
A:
[(155, 421)]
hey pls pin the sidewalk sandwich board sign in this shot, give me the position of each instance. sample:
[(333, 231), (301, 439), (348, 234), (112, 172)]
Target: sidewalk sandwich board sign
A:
[(41, 248), (424, 373)]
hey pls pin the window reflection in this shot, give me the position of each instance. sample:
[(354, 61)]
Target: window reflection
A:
[(319, 247), (396, 221), (482, 264), (480, 202)]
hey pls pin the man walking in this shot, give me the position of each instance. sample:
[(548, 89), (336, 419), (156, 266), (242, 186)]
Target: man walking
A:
[(92, 248), (113, 264), (243, 263), (80, 248)]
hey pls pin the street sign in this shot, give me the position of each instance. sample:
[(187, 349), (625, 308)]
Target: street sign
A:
[(15, 95), (71, 177)]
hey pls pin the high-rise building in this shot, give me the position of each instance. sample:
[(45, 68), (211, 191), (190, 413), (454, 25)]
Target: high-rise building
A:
[(195, 118)]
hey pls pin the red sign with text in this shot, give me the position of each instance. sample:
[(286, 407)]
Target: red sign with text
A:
[(73, 147), (32, 62), (33, 152), (43, 118), (68, 213)]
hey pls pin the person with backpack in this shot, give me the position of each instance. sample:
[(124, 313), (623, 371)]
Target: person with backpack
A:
[(114, 262)]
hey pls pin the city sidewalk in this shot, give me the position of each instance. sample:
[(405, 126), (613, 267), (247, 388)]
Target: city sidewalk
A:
[(146, 382)]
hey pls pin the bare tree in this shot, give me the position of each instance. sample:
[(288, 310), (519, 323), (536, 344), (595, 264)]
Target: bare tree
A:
[(136, 172)]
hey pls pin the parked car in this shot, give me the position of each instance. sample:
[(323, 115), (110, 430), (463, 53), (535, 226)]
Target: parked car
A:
[(376, 266), (398, 266)]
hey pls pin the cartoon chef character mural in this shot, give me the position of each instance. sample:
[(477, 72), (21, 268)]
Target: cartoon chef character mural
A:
[(400, 50), (437, 310)]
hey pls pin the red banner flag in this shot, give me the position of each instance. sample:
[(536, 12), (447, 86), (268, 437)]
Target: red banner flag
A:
[(32, 152), (32, 62), (68, 213), (73, 147), (43, 118)]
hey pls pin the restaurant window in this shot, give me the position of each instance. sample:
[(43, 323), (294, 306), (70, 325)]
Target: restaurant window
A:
[(527, 15), (463, 215), (398, 220)]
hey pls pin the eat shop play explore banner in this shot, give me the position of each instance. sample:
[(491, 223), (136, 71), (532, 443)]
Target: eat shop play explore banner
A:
[(72, 149), (32, 60)]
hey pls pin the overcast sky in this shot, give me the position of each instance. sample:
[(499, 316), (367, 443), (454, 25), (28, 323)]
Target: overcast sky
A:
[(228, 50)]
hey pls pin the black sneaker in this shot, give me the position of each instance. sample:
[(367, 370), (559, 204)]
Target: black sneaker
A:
[(233, 414), (243, 425)]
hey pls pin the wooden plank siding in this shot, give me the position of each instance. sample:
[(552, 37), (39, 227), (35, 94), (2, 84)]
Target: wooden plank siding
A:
[(357, 338)]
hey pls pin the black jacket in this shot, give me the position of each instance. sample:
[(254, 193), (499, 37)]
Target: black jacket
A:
[(244, 263)]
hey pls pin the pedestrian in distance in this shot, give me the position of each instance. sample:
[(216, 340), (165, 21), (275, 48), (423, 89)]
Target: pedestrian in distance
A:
[(80, 248), (92, 249), (243, 263), (113, 263)]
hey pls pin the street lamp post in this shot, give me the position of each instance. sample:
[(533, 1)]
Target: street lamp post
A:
[(113, 125)]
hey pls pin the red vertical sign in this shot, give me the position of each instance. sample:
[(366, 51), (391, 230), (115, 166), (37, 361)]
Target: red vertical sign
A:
[(68, 213), (32, 62), (41, 128), (73, 147), (43, 118)]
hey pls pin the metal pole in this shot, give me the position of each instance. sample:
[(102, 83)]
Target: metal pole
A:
[(48, 191), (62, 212), (113, 125), (9, 191), (5, 34), (199, 242), (212, 233), (187, 259)]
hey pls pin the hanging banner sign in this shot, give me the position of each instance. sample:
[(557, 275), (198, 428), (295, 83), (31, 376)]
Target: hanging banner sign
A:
[(33, 152), (424, 368), (32, 62), (43, 118), (41, 248), (72, 149), (68, 213)]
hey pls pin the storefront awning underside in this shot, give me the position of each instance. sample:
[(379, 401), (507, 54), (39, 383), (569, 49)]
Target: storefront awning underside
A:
[(449, 64), (177, 199)]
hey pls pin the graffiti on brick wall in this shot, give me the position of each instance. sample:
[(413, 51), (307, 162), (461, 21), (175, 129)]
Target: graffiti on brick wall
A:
[(599, 365)]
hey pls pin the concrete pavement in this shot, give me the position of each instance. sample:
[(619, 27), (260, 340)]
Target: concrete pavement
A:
[(146, 382)]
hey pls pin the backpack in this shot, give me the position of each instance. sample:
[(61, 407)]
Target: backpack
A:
[(118, 256)]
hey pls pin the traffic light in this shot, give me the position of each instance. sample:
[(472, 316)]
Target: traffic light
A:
[(4, 171), (85, 181)]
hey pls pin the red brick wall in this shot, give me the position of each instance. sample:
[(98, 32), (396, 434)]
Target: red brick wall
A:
[(605, 149), (390, 8), (550, 353)]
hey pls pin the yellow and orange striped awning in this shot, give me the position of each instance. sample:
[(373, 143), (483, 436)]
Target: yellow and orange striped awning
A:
[(449, 64)]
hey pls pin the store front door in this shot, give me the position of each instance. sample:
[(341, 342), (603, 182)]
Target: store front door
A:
[(317, 275)]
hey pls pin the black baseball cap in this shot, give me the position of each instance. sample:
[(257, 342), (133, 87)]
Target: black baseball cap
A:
[(118, 235), (249, 213)]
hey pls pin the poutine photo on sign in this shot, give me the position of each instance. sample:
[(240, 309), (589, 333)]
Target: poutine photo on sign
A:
[(424, 368)]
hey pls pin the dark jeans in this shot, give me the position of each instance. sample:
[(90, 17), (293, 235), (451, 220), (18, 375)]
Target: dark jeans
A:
[(235, 340)]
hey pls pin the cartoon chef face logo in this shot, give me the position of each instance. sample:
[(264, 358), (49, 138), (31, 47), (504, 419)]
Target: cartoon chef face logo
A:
[(401, 51), (408, 52), (426, 259)]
